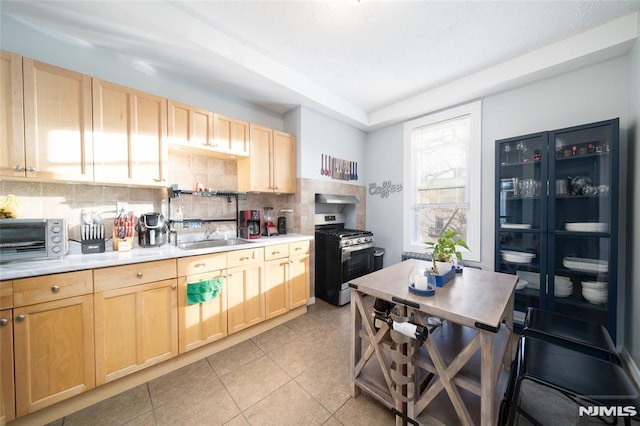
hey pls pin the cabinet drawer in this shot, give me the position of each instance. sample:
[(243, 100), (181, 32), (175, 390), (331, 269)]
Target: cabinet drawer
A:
[(199, 264), (244, 257), (6, 294), (46, 288), (137, 273), (299, 248), (276, 252)]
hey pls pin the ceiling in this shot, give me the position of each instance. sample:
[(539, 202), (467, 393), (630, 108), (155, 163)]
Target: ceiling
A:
[(368, 63)]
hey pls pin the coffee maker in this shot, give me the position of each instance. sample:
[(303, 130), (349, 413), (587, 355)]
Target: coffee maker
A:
[(152, 230), (269, 227), (249, 224)]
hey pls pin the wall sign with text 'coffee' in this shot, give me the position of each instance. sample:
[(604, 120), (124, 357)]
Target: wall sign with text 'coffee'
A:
[(384, 189)]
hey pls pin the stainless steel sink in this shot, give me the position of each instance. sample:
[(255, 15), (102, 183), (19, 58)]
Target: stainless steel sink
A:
[(194, 245)]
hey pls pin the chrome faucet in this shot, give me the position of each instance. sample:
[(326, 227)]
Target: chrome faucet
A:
[(207, 233)]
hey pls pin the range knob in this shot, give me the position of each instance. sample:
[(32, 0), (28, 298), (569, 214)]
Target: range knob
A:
[(56, 249), (55, 229), (56, 239)]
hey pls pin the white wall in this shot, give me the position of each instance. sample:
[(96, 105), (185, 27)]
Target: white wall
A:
[(594, 93), (383, 157), (324, 135), (97, 62), (632, 312)]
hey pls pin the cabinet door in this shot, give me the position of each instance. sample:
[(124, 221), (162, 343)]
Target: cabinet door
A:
[(130, 129), (284, 162), (135, 327), (583, 222), (12, 155), (7, 388), (201, 323), (298, 281), (276, 287), (231, 135), (254, 173), (54, 352), (521, 220), (58, 123), (245, 297), (189, 126)]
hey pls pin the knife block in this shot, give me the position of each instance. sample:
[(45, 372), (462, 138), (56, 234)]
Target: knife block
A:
[(92, 246), (122, 244)]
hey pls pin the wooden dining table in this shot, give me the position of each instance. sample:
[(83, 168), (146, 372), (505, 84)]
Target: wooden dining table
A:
[(463, 356)]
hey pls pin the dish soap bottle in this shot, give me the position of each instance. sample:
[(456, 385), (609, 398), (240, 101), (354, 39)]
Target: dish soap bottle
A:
[(179, 214)]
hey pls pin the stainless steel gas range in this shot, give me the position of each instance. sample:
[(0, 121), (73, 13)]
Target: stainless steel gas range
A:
[(342, 254)]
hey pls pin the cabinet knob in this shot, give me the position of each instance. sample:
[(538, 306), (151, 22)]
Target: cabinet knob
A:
[(173, 286), (139, 275), (55, 289), (3, 322), (31, 169), (20, 318), (17, 167)]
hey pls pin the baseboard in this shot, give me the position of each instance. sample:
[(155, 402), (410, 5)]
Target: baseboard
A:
[(631, 366)]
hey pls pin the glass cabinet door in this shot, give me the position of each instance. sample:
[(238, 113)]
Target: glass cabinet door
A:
[(582, 220), (521, 207)]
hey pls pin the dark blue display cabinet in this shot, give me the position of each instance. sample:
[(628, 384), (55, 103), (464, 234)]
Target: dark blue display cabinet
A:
[(557, 220)]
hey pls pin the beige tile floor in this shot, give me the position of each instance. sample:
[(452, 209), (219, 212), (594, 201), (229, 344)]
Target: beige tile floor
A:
[(294, 374)]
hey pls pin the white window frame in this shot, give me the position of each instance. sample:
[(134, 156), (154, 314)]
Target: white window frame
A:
[(474, 185)]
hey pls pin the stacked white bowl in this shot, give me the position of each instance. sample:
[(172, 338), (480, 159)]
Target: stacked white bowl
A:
[(595, 291), (563, 286)]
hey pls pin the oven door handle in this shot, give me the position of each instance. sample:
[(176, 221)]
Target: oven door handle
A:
[(358, 247)]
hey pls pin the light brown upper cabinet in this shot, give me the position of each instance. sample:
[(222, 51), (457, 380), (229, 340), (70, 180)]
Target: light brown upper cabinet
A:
[(190, 127), (130, 129), (271, 166), (12, 159), (55, 142), (231, 136)]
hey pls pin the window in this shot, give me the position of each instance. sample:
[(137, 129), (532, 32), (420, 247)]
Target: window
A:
[(442, 178)]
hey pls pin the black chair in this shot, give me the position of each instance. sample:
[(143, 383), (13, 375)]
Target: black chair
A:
[(582, 336), (550, 383)]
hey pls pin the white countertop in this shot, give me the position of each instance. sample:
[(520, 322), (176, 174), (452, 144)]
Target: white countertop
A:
[(76, 261)]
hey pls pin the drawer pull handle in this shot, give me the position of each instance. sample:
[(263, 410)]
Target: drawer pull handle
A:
[(200, 265), (55, 289), (20, 318), (139, 275), (275, 252), (3, 322), (245, 258)]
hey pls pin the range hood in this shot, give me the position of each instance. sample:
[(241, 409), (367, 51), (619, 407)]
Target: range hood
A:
[(336, 199)]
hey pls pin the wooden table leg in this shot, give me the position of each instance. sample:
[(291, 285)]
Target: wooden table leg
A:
[(356, 342), (487, 367)]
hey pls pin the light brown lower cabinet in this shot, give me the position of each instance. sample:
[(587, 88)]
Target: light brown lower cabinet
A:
[(299, 280), (245, 289), (201, 323), (136, 327), (54, 351), (7, 388)]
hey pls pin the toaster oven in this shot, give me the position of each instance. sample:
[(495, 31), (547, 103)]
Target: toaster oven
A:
[(32, 238)]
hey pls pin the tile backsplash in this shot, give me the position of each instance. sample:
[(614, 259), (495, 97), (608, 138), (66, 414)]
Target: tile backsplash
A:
[(68, 201)]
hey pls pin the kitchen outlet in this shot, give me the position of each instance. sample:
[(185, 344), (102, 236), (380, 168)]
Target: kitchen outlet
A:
[(121, 206)]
